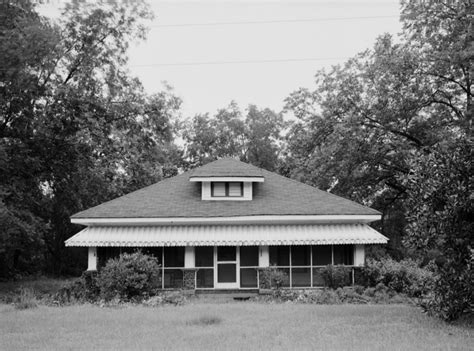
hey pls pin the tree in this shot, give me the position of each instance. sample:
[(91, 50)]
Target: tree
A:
[(75, 128), (391, 127), (440, 181), (441, 219), (255, 138), (358, 130)]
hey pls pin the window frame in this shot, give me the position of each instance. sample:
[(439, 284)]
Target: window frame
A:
[(227, 193), (311, 265)]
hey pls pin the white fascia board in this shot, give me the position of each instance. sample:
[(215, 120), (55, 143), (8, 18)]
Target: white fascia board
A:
[(227, 179), (295, 219)]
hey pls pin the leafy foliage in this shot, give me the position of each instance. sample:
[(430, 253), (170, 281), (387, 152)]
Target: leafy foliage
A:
[(272, 277), (404, 276), (129, 276), (336, 276), (441, 188), (75, 128), (255, 139)]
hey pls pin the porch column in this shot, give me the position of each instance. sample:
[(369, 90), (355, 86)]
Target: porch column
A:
[(189, 259), (92, 259), (359, 255), (263, 256), (189, 271)]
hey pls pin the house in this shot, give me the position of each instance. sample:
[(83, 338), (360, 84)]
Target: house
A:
[(216, 226)]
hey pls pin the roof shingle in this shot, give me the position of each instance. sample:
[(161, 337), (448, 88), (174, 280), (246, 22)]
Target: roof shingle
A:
[(178, 197)]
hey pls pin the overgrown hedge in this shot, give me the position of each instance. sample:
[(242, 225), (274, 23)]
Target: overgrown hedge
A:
[(129, 276), (404, 276)]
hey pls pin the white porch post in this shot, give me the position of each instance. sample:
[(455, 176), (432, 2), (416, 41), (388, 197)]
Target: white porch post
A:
[(189, 259), (92, 259), (264, 256), (359, 255)]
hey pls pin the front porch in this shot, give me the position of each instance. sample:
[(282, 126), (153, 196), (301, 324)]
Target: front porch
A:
[(231, 268)]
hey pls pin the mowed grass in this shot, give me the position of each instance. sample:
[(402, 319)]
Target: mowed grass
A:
[(220, 326)]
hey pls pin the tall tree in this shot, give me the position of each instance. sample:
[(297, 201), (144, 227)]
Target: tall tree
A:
[(255, 138), (76, 129), (357, 131), (394, 117)]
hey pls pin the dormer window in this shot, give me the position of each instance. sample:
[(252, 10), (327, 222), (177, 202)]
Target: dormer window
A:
[(227, 189), (228, 183)]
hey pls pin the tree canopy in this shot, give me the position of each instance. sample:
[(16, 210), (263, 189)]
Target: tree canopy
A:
[(75, 128)]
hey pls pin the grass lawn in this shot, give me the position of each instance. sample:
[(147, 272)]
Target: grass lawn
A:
[(236, 325)]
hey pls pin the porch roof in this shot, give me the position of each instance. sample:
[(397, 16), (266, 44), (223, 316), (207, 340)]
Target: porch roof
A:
[(227, 235)]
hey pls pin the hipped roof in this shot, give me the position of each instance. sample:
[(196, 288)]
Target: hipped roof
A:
[(179, 198)]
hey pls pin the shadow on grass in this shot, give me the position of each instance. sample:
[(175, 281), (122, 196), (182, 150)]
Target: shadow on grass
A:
[(205, 321)]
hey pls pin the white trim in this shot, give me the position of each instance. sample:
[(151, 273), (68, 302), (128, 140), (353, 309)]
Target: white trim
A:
[(236, 262), (263, 219), (189, 257), (264, 256), (206, 193), (227, 179), (92, 259), (359, 255)]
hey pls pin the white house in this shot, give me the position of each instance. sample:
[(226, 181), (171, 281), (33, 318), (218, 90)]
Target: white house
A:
[(214, 227)]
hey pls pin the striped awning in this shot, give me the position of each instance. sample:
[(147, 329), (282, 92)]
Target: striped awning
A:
[(227, 235)]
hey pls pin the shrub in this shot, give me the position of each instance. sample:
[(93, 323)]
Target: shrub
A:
[(26, 299), (375, 295), (400, 276), (129, 276), (272, 277), (336, 276)]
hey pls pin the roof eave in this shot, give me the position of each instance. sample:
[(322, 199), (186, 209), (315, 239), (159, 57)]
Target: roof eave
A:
[(227, 179), (242, 220)]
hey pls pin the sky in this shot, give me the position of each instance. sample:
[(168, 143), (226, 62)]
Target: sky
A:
[(252, 52)]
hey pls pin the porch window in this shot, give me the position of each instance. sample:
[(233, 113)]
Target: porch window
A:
[(173, 264), (204, 261), (343, 254), (303, 263), (249, 266)]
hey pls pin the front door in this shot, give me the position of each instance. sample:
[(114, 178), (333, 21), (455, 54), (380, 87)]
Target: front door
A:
[(226, 262)]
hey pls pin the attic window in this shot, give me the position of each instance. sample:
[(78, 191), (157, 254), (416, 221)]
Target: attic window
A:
[(227, 189)]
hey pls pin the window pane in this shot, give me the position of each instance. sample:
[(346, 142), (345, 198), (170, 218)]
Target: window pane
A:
[(322, 255), (280, 255), (318, 279), (343, 254), (205, 278), (204, 256), (218, 189), (235, 189), (226, 273), (173, 278), (248, 277), (226, 253), (249, 256), (300, 255), (301, 277), (174, 256)]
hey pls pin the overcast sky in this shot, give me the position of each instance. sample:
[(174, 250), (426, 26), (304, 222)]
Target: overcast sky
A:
[(207, 50)]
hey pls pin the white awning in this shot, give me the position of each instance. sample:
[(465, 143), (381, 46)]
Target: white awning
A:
[(227, 235)]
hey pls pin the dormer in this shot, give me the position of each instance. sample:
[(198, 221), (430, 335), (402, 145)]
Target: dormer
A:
[(227, 181)]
